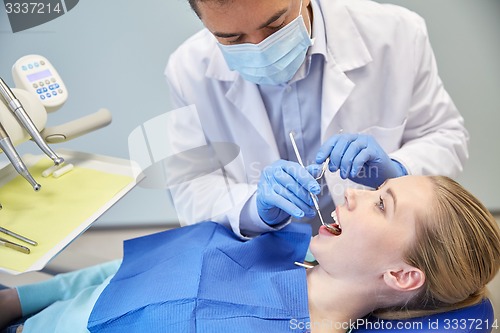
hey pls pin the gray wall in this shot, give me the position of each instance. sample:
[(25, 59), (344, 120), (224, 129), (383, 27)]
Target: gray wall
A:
[(111, 53), (465, 35)]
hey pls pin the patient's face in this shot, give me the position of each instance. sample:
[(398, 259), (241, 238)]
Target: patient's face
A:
[(377, 226)]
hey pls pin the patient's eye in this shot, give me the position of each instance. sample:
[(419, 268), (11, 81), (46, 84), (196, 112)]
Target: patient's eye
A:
[(380, 204)]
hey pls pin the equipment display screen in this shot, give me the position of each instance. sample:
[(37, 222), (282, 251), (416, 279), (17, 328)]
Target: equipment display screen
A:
[(39, 75)]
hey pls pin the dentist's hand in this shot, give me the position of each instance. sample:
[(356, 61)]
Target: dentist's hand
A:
[(283, 190), (360, 158)]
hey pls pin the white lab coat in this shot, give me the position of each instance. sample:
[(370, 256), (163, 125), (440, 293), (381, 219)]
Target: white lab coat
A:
[(380, 78)]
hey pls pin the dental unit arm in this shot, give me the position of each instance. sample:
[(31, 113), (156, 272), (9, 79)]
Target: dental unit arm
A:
[(39, 90)]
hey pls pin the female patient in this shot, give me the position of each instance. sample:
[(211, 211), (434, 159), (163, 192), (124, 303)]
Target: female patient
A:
[(417, 245)]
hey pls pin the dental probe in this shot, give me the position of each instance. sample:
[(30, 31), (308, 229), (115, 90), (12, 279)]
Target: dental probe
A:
[(299, 159), (15, 159), (18, 110)]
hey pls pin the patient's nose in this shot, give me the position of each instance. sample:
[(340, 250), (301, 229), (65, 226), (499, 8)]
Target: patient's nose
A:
[(350, 198)]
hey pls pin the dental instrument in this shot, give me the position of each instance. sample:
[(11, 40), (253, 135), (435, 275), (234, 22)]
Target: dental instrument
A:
[(17, 236), (306, 266), (14, 246), (323, 168), (330, 228), (17, 109), (18, 164)]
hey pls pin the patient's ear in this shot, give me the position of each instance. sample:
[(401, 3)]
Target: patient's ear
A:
[(404, 279)]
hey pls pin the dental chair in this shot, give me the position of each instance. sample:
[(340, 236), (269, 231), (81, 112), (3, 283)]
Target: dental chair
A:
[(478, 318)]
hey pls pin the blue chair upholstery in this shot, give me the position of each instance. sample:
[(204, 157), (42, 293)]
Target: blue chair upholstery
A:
[(478, 318)]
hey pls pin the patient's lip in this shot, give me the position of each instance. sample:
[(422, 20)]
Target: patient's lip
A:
[(325, 231)]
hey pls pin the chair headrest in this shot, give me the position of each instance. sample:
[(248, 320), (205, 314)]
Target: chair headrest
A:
[(478, 318)]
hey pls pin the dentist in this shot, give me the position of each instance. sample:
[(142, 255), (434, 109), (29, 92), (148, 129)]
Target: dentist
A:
[(264, 68)]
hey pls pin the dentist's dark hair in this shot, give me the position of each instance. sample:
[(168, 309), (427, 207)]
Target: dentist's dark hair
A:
[(194, 4)]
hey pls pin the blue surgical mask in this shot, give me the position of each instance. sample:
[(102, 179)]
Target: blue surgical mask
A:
[(273, 61)]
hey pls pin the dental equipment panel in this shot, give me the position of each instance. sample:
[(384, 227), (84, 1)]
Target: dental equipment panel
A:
[(37, 75), (39, 90)]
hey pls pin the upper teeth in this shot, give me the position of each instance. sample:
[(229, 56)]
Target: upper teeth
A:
[(334, 217)]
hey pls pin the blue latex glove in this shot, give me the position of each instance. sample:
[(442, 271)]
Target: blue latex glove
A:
[(283, 191), (359, 158)]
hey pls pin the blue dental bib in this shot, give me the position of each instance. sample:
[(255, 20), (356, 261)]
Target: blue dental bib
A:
[(202, 278)]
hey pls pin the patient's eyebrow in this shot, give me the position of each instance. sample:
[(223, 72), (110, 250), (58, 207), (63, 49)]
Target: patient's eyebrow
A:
[(393, 196), (390, 192)]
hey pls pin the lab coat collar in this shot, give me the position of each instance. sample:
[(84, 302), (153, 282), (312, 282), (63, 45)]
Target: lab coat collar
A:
[(217, 66), (318, 31), (346, 51), (344, 41), (240, 92)]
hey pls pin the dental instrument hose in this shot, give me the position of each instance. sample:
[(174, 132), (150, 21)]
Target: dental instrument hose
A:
[(8, 148), (18, 110)]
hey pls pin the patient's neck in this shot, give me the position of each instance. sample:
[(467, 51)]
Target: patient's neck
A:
[(334, 303)]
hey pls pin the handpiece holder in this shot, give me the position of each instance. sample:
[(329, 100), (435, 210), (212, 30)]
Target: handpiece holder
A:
[(25, 120)]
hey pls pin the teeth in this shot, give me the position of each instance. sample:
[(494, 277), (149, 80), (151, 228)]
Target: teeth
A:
[(334, 217), (335, 220)]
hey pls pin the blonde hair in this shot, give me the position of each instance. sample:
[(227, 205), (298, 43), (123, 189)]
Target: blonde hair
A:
[(457, 246)]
